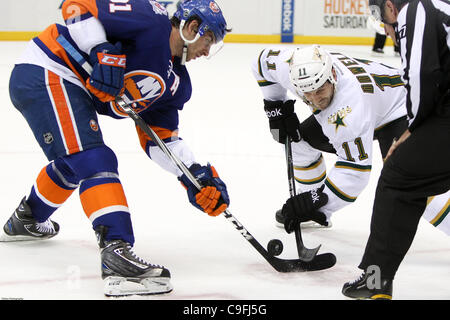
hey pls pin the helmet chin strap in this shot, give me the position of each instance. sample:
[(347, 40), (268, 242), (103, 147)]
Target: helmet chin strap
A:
[(184, 54), (186, 42)]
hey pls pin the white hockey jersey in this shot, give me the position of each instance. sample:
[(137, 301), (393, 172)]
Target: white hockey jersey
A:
[(368, 96)]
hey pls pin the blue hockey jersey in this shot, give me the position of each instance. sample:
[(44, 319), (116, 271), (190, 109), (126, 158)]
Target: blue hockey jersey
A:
[(156, 83)]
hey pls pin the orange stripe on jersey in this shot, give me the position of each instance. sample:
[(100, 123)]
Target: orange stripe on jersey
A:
[(160, 132), (63, 113), (48, 37), (74, 8), (102, 196), (50, 190)]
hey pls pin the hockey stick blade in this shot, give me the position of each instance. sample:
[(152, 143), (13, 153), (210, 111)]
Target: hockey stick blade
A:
[(318, 262)]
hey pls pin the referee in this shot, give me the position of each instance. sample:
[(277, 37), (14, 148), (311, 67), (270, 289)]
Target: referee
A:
[(418, 164)]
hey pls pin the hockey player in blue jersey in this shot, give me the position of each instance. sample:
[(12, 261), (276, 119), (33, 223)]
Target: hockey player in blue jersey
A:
[(70, 73)]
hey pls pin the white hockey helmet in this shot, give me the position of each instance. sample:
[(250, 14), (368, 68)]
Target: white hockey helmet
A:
[(310, 68)]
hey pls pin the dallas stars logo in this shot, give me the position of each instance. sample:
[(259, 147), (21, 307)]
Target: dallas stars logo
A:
[(337, 118), (339, 122)]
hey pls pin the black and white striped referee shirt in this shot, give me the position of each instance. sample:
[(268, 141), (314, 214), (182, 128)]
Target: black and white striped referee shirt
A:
[(424, 34)]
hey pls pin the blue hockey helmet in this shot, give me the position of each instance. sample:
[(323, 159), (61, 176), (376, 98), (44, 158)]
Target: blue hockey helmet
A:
[(208, 11)]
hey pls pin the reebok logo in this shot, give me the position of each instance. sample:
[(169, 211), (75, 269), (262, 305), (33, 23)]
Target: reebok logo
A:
[(274, 113), (314, 196), (287, 16)]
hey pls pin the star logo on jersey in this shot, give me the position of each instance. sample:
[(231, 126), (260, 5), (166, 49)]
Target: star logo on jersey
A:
[(337, 118), (339, 122), (142, 89)]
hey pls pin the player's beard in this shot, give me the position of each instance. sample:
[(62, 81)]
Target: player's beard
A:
[(324, 102)]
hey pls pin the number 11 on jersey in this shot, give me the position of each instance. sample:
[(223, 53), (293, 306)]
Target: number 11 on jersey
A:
[(362, 153)]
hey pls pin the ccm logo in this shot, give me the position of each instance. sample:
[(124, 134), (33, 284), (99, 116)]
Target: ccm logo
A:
[(112, 60)]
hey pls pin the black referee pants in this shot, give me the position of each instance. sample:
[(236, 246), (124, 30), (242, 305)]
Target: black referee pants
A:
[(419, 168)]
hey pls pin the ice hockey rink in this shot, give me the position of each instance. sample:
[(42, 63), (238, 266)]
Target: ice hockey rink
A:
[(224, 123)]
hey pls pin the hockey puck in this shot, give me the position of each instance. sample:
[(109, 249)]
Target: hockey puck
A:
[(275, 247)]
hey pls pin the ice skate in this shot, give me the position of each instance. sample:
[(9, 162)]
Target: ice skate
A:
[(377, 52), (363, 289), (22, 226), (126, 274), (279, 222)]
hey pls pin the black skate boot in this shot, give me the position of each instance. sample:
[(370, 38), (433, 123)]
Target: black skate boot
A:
[(279, 218), (127, 274), (23, 226), (363, 288)]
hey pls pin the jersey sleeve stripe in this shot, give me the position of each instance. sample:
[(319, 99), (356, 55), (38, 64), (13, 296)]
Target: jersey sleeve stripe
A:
[(312, 181), (441, 215), (79, 18), (265, 83), (165, 134), (339, 193), (259, 65), (352, 166), (47, 42), (313, 165)]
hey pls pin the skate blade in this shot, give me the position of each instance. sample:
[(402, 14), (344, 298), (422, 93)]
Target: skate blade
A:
[(4, 237), (315, 225), (121, 287), (307, 225)]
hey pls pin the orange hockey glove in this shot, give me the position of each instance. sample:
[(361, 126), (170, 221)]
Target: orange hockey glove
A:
[(213, 197)]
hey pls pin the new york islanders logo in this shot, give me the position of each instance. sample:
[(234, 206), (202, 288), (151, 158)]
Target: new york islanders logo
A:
[(214, 7), (142, 89), (158, 8)]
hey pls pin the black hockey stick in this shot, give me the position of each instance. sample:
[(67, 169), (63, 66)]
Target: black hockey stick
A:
[(304, 253), (321, 262)]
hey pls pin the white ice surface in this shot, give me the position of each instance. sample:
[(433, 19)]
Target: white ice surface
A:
[(224, 124)]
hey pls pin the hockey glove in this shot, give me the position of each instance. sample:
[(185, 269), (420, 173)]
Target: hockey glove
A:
[(107, 78), (282, 120), (213, 197), (304, 207)]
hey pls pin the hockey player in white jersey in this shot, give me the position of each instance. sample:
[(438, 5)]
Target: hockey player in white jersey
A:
[(353, 102)]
